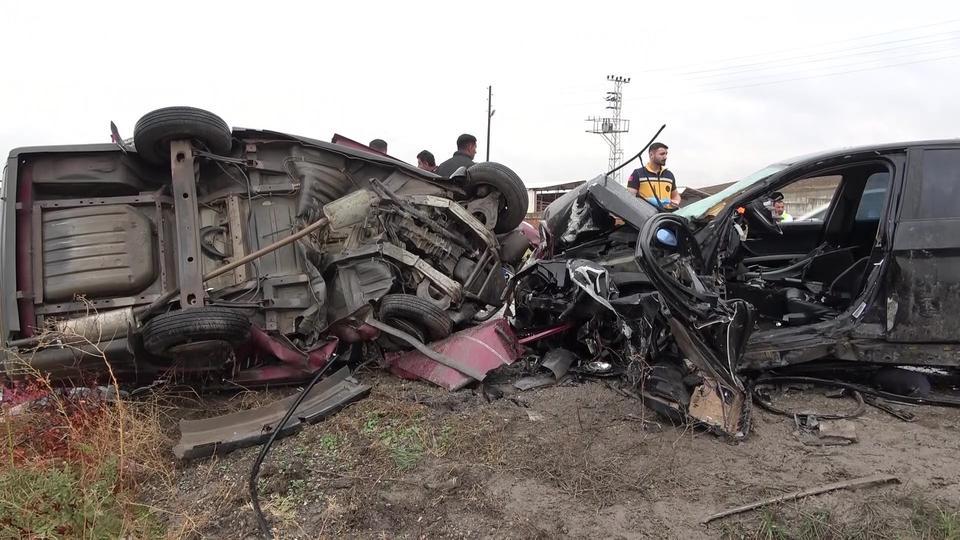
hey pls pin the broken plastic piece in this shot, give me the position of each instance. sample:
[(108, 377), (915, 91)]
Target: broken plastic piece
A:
[(222, 434)]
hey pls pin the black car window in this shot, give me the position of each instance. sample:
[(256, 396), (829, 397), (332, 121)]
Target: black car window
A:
[(808, 199), (940, 191), (874, 195)]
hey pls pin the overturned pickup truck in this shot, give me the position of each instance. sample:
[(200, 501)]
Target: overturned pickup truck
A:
[(239, 256), (694, 305)]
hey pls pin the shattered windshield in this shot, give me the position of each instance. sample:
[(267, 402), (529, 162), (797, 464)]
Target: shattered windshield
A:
[(713, 204)]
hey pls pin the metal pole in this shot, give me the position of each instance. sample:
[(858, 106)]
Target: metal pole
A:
[(489, 117)]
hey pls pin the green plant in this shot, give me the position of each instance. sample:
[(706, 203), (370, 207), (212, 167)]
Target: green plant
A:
[(935, 522)]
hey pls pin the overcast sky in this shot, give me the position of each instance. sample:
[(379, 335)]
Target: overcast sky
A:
[(416, 73)]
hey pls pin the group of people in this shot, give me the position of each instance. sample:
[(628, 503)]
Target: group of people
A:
[(463, 157), (652, 182)]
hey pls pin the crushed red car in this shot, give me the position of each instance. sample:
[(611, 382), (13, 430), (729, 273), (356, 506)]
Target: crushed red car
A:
[(224, 257)]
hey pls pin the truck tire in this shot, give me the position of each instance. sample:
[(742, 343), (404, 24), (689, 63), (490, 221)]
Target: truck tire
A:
[(207, 323), (420, 312), (513, 194), (155, 130)]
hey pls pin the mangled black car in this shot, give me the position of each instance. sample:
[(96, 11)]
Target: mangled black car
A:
[(693, 305)]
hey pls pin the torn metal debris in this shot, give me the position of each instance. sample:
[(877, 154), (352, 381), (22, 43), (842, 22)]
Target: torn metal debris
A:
[(473, 353)]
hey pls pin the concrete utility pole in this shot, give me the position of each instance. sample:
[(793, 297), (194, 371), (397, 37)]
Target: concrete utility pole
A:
[(610, 127), (490, 112)]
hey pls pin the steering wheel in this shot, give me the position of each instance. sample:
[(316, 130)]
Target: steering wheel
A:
[(763, 217)]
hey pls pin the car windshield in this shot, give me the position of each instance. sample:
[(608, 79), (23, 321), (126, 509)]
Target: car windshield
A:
[(713, 204)]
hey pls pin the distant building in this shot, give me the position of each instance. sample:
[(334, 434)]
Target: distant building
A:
[(541, 197)]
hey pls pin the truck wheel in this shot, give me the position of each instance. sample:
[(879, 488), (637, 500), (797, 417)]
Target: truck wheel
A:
[(407, 309), (207, 323), (155, 130), (513, 194)]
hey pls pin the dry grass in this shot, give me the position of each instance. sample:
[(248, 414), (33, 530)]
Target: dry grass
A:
[(76, 460), (877, 516)]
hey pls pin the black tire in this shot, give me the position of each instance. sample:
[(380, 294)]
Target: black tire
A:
[(513, 194), (155, 130), (207, 323), (424, 314)]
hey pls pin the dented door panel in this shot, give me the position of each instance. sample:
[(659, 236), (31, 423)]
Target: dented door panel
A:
[(923, 300)]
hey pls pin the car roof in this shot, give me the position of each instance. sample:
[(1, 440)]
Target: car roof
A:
[(879, 148)]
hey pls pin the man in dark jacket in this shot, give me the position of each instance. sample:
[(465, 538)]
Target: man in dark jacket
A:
[(463, 157), (426, 161)]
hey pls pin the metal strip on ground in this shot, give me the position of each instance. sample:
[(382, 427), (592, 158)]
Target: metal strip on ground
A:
[(221, 434)]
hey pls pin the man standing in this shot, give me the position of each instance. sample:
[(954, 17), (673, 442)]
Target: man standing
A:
[(654, 182), (426, 161), (780, 211), (463, 157), (379, 145)]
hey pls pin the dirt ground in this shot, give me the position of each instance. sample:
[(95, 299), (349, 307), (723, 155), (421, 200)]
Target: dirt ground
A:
[(577, 460)]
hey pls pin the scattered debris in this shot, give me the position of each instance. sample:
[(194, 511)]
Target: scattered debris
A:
[(556, 363), (837, 431), (534, 416), (763, 399), (883, 405), (855, 483), (812, 431)]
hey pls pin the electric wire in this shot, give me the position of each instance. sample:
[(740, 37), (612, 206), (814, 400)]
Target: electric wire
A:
[(255, 470)]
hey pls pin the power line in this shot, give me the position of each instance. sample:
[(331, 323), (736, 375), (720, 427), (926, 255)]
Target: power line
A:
[(813, 69), (827, 64), (779, 63), (803, 78), (836, 42)]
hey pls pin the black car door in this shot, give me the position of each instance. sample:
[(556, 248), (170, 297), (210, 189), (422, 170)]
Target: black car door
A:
[(923, 300)]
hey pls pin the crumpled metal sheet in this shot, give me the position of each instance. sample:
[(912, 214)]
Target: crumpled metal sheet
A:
[(222, 434), (556, 363), (483, 348)]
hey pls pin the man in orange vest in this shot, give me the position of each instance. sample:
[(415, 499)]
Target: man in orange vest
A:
[(654, 182)]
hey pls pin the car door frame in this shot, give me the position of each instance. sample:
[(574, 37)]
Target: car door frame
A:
[(920, 255), (857, 333)]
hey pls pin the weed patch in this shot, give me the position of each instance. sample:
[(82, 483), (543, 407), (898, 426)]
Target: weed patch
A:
[(73, 462)]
